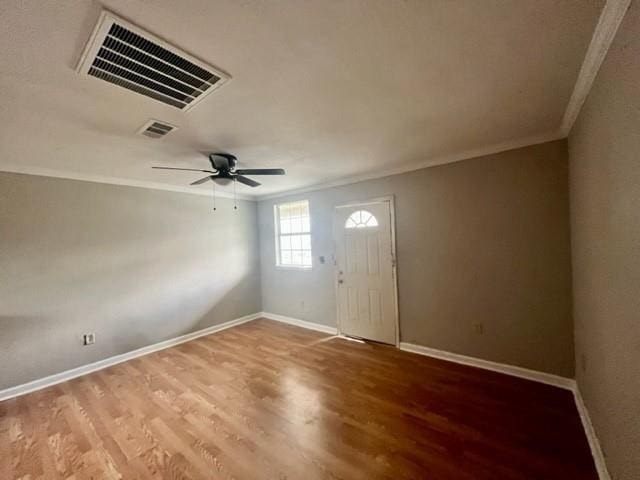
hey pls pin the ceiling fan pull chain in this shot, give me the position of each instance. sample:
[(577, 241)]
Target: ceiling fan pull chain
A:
[(214, 196), (235, 200)]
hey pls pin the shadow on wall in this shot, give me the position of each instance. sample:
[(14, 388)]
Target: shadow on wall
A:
[(133, 266), (154, 297)]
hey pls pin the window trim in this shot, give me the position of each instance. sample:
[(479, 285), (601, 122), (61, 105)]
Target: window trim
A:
[(276, 225)]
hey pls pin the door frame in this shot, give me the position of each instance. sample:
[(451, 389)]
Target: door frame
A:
[(394, 261)]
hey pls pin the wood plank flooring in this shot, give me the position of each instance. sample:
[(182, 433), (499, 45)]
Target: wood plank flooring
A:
[(269, 401)]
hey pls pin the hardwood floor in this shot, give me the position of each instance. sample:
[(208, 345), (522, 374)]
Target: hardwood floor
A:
[(269, 401)]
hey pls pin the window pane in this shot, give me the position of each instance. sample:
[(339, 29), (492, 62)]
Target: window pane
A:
[(285, 209), (361, 219), (296, 225), (293, 228), (285, 225), (285, 257), (285, 242)]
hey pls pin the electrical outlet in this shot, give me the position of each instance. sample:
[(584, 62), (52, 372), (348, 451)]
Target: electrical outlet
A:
[(89, 339), (478, 328)]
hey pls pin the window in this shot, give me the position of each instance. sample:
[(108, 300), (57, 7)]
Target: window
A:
[(361, 219), (293, 234)]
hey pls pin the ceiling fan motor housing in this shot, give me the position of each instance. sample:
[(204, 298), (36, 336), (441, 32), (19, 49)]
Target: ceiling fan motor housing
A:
[(223, 162)]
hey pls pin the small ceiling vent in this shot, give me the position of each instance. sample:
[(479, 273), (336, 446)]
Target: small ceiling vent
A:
[(156, 129), (124, 55)]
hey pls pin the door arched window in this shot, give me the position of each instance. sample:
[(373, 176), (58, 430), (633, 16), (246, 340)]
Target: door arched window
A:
[(361, 219)]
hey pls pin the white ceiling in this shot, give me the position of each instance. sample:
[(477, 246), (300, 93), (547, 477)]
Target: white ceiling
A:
[(325, 89)]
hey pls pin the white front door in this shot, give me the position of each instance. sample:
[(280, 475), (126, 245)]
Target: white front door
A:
[(365, 271)]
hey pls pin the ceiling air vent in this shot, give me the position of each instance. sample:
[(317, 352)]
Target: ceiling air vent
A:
[(124, 55), (156, 129)]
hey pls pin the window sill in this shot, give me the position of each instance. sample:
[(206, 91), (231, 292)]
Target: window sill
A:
[(294, 268)]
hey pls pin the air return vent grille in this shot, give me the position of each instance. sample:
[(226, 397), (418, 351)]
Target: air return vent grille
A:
[(156, 129), (124, 55)]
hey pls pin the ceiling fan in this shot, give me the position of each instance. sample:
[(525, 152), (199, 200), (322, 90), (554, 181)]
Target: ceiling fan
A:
[(224, 171)]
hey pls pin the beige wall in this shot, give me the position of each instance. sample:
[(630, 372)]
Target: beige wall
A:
[(480, 241), (133, 265), (604, 152)]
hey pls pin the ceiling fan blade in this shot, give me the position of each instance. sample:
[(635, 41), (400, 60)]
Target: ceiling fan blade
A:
[(261, 171), (185, 169), (202, 180), (247, 181)]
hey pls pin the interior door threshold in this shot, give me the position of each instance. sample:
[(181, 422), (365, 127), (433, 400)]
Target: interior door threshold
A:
[(352, 339)]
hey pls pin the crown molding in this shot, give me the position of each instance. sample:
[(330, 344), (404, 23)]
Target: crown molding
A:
[(127, 182), (610, 19), (431, 162), (456, 157)]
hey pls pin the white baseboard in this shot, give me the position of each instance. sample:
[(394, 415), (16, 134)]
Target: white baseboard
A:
[(547, 378), (594, 443), (536, 376), (528, 374), (300, 323), (56, 378), (107, 362)]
